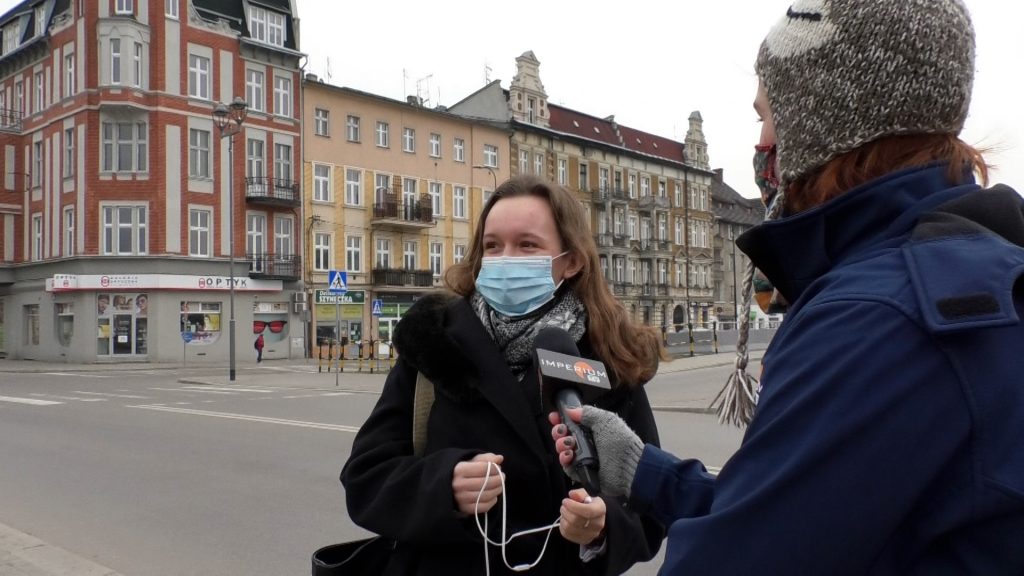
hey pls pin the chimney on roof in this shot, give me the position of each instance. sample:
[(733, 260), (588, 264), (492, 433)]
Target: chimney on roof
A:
[(413, 100), (310, 77), (719, 174)]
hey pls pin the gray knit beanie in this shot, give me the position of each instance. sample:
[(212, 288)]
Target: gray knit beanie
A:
[(842, 73)]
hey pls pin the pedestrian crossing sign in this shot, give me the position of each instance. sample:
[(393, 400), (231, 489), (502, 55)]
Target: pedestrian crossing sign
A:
[(378, 307), (337, 282)]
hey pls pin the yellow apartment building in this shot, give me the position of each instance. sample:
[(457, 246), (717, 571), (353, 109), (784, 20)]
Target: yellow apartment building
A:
[(392, 191)]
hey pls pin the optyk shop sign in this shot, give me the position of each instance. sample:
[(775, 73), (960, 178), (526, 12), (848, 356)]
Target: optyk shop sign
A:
[(71, 282)]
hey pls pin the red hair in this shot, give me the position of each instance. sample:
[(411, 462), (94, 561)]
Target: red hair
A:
[(879, 158)]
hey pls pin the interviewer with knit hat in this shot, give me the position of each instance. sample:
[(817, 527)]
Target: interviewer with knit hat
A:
[(886, 433)]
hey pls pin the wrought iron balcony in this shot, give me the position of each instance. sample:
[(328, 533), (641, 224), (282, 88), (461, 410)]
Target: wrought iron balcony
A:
[(274, 191), (402, 277), (274, 267), (408, 214), (653, 245), (609, 194), (10, 120)]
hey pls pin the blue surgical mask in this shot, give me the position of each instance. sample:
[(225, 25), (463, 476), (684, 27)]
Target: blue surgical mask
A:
[(516, 285)]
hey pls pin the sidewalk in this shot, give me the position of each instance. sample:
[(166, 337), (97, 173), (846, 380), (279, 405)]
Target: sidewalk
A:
[(24, 555)]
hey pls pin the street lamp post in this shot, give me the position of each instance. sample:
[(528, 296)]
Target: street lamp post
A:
[(228, 119), (494, 178)]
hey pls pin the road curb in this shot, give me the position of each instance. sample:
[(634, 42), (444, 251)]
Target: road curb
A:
[(25, 555)]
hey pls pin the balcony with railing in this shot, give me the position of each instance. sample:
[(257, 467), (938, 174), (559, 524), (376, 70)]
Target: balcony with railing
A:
[(406, 214), (654, 245), (654, 289), (403, 277), (272, 191), (274, 267), (10, 120), (648, 203), (609, 194)]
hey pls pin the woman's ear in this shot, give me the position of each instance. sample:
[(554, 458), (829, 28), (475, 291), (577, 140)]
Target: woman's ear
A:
[(574, 263)]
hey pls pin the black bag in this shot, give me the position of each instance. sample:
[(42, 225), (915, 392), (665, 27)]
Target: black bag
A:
[(369, 557)]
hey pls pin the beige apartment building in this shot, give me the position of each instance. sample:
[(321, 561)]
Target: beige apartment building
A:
[(392, 190), (648, 197)]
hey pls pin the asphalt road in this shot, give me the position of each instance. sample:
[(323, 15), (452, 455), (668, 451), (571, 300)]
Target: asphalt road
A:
[(153, 477)]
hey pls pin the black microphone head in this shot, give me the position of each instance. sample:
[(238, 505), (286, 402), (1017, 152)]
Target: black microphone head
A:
[(559, 365)]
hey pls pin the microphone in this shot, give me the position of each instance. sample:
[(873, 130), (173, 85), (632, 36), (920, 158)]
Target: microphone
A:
[(567, 381)]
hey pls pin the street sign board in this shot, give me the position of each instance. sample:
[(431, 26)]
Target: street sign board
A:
[(186, 336), (378, 307), (337, 282)]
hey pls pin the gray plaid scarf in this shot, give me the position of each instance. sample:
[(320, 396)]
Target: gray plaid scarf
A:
[(514, 336)]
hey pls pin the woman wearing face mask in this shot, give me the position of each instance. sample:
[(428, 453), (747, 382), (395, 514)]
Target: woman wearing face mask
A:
[(887, 433), (532, 264)]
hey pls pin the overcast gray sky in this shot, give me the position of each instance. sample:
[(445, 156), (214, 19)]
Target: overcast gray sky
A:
[(648, 62)]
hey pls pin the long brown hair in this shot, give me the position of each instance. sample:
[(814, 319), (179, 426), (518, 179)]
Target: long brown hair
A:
[(629, 350), (881, 157)]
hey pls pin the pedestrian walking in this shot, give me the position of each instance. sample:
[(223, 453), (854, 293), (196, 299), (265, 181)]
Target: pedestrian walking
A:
[(259, 348)]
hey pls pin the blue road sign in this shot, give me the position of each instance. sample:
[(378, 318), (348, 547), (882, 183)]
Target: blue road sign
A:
[(378, 307), (337, 281), (186, 336)]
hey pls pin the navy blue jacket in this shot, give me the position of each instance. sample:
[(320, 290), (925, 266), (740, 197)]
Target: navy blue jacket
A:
[(889, 433)]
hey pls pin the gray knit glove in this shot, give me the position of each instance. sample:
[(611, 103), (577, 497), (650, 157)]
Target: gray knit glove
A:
[(618, 450)]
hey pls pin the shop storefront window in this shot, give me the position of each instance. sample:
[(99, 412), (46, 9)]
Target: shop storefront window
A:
[(201, 320), (122, 324), (64, 313), (271, 320), (32, 325)]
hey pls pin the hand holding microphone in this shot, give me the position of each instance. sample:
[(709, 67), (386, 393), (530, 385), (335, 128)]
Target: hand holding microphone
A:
[(617, 446)]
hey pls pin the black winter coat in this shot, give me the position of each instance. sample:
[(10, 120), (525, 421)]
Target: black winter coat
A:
[(479, 407)]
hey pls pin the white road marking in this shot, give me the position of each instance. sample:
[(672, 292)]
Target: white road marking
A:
[(31, 401), (76, 374), (225, 389), (200, 390), (263, 419), (337, 394), (111, 395), (75, 398)]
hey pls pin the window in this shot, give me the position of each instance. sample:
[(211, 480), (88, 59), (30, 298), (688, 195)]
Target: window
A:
[(352, 128), (198, 153), (137, 66), (435, 197), (408, 140), (283, 96), (171, 8), (632, 185), (662, 226), (37, 164), (563, 171), (40, 92), (65, 315), (459, 202), (353, 187), (115, 60), (198, 76), (267, 26), (662, 189), (124, 7), (383, 187), (321, 183), (538, 164), (459, 150), (254, 159), (584, 179), (37, 237), (436, 258), (490, 156), (69, 75), (125, 147), (283, 163), (459, 253), (69, 232), (632, 227), (19, 97), (383, 253), (531, 105), (69, 152), (679, 194), (679, 231), (382, 134), (254, 90), (284, 228), (524, 161), (645, 186), (199, 232), (409, 255), (124, 230), (321, 252), (322, 122), (619, 270), (40, 18), (256, 240), (409, 193), (354, 254), (32, 325), (435, 145)]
